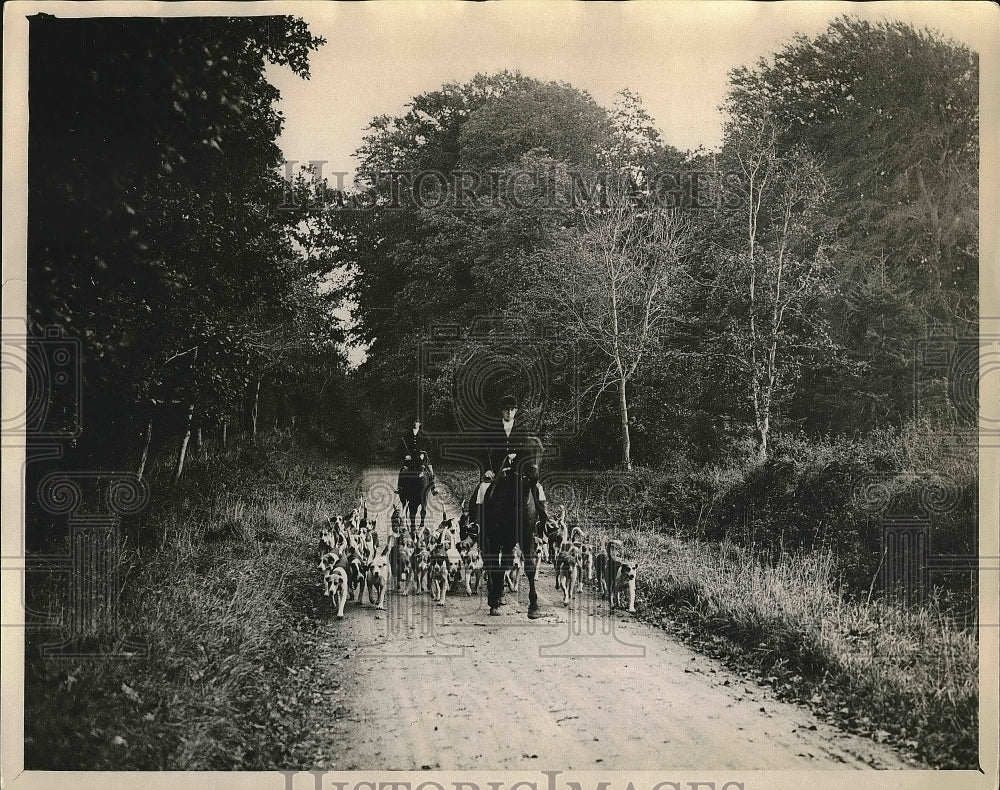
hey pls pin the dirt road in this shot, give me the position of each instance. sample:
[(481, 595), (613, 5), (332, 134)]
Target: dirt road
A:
[(449, 688)]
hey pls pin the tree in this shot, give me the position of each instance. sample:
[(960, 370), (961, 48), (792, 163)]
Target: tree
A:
[(154, 231), (408, 266), (775, 265), (891, 114), (610, 283)]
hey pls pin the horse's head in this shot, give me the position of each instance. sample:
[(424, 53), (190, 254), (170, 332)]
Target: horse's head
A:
[(536, 450), (505, 474)]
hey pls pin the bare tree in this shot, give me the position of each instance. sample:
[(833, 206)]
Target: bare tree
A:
[(610, 283), (779, 264)]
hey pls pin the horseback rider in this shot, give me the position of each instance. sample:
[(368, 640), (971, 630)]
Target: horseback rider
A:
[(509, 449), (412, 443), (416, 466)]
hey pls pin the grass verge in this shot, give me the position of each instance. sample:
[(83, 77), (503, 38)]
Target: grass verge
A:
[(908, 676), (218, 581)]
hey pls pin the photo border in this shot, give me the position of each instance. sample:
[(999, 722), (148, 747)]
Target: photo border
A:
[(985, 14)]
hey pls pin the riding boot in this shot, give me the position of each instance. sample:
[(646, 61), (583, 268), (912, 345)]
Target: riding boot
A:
[(494, 574), (494, 571)]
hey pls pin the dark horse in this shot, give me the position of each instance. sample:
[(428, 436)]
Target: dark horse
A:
[(414, 485), (506, 518)]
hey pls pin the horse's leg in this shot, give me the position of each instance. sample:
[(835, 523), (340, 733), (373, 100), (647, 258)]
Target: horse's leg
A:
[(411, 514), (494, 573), (531, 571)]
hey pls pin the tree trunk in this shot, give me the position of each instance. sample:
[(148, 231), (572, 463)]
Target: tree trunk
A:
[(250, 406), (184, 445), (253, 412), (224, 425), (626, 440), (197, 438), (145, 449), (765, 433)]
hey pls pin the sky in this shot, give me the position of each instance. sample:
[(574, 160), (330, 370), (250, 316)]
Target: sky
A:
[(676, 55)]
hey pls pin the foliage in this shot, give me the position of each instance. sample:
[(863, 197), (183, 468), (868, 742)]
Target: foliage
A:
[(892, 115), (906, 676), (410, 264), (223, 600), (773, 263), (837, 227), (836, 495), (893, 112), (154, 231)]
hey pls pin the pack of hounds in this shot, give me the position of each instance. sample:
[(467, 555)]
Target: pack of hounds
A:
[(450, 558)]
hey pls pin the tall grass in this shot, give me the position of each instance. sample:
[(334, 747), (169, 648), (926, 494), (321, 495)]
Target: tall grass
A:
[(219, 591), (903, 674)]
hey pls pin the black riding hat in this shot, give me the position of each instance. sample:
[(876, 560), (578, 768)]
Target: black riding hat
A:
[(508, 402)]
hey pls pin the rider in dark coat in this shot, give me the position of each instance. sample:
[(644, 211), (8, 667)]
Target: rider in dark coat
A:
[(412, 443), (508, 444), (414, 450)]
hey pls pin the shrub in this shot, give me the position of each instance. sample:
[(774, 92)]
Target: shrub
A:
[(834, 495)]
